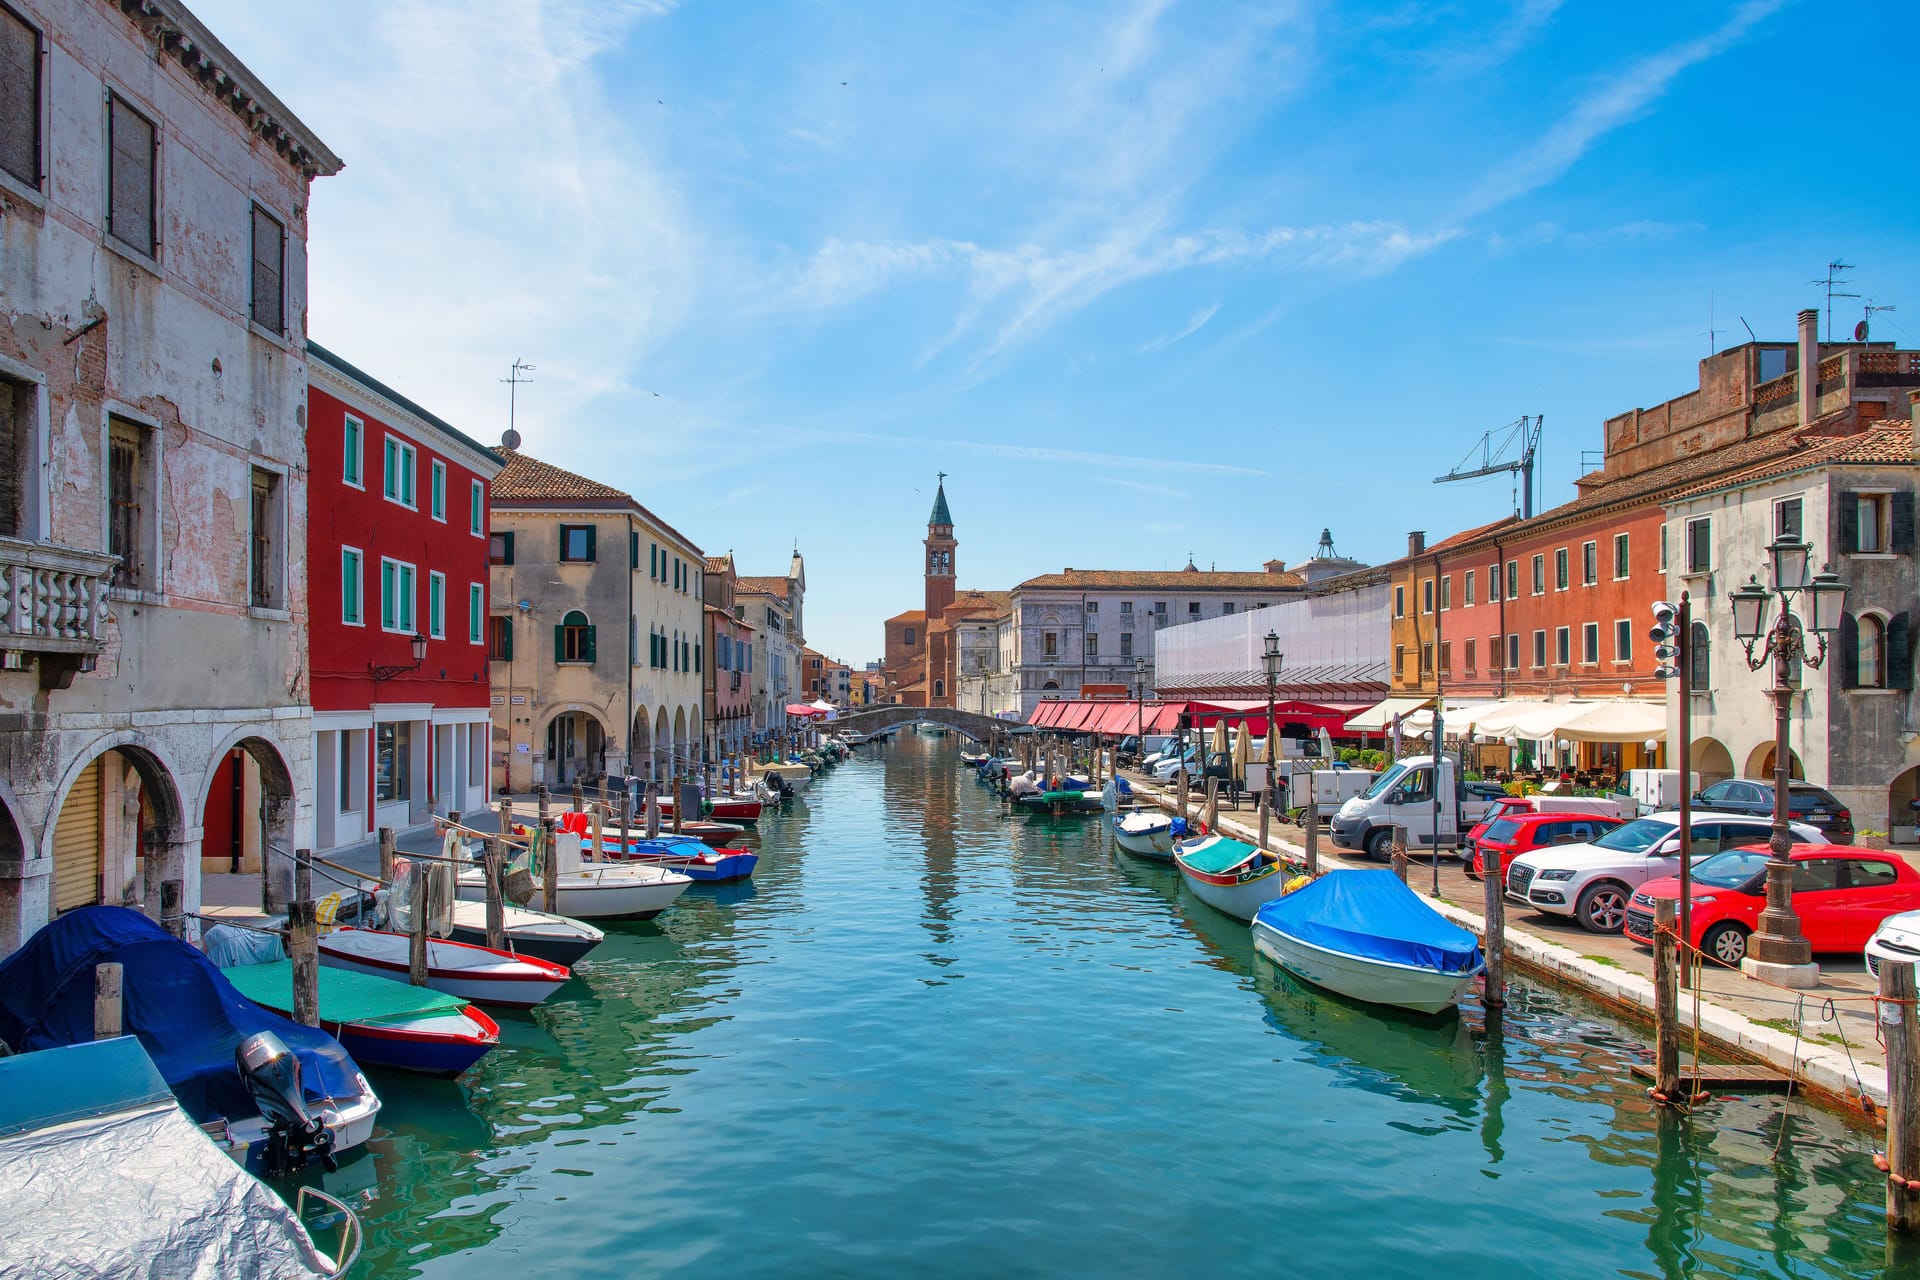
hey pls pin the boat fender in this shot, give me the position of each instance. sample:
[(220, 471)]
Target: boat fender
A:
[(1298, 882), (1201, 828)]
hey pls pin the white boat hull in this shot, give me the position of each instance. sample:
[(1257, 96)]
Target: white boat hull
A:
[(1241, 900), (474, 974), (609, 893), (1156, 843), (1373, 981)]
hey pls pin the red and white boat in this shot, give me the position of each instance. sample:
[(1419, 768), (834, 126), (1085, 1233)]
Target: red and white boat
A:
[(740, 809), (479, 974)]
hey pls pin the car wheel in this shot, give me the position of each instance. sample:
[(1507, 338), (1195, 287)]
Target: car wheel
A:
[(1602, 907), (1380, 845), (1726, 942)]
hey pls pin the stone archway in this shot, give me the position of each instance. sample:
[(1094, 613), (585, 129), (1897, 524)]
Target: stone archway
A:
[(572, 746), (1761, 763), (248, 807), (1902, 818), (682, 743), (117, 833), (662, 746), (879, 719), (1711, 760), (640, 745)]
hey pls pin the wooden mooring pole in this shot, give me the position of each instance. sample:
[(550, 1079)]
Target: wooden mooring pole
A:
[(303, 942), (496, 865), (106, 1000), (1666, 1003), (679, 805), (549, 869), (579, 796), (1311, 819), (1213, 803), (1900, 1028), (417, 934), (1495, 943), (1399, 848), (388, 845), (1265, 816)]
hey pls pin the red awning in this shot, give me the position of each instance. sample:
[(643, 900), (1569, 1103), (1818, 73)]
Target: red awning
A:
[(804, 711)]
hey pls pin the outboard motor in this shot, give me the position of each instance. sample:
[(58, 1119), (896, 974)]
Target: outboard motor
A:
[(295, 1136)]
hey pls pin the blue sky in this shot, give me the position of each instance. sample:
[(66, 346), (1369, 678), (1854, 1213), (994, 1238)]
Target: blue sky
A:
[(1143, 278)]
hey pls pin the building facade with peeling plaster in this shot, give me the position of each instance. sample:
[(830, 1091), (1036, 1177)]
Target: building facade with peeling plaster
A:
[(153, 225)]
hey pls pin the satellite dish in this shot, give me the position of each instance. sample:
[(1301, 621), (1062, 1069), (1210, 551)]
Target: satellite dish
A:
[(1860, 332)]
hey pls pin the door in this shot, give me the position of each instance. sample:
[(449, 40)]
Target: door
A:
[(1820, 899), (76, 844), (1414, 809), (1873, 892)]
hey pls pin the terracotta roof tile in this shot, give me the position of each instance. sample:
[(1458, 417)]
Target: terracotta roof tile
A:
[(527, 481), (1167, 579), (767, 586), (1886, 441)]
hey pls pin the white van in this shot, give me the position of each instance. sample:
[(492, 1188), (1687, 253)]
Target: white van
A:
[(1405, 796)]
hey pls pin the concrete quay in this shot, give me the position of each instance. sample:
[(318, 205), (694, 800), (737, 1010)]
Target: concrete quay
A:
[(1823, 1038)]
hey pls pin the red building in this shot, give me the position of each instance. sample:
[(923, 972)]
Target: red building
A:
[(397, 542), (729, 673)]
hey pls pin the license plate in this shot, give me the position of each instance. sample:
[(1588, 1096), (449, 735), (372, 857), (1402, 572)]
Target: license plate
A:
[(1820, 818)]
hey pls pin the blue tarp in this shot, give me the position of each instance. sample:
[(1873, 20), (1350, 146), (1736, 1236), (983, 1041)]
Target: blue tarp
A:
[(667, 846), (1371, 914), (186, 1014)]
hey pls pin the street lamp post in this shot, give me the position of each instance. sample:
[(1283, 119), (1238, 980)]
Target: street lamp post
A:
[(1140, 666), (1270, 660), (1778, 951)]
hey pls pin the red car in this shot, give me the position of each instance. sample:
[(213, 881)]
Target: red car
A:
[(1513, 834), (1505, 806), (1840, 893)]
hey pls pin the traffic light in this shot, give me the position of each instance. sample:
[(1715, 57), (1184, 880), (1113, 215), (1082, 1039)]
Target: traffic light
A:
[(1667, 640)]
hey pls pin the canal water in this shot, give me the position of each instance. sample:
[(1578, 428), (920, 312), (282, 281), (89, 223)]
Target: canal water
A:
[(931, 1040)]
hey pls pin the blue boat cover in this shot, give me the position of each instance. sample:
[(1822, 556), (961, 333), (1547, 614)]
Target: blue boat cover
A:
[(1372, 915), (668, 846), (185, 1012)]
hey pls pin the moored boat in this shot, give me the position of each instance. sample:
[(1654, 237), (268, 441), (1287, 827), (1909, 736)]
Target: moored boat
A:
[(529, 933), (1366, 935), (1146, 834), (689, 857), (381, 1022), (740, 810), (600, 892), (1056, 804), (720, 835), (1229, 875), (475, 973)]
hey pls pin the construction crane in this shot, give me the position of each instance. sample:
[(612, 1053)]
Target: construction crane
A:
[(1493, 447)]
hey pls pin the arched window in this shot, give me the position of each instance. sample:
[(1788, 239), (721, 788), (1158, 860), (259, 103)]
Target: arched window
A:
[(573, 639), (939, 688), (1700, 651), (1873, 652)]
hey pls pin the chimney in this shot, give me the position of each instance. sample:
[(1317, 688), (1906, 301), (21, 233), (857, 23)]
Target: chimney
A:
[(1809, 366), (1275, 566), (1913, 406), (1416, 542)]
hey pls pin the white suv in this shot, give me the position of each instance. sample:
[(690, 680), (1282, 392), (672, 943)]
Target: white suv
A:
[(1592, 882)]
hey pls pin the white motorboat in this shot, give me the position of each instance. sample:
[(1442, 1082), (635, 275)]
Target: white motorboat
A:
[(1229, 875), (478, 974), (529, 933), (601, 892), (1365, 935), (1145, 834)]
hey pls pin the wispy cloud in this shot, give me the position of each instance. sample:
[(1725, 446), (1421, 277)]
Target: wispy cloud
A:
[(1620, 100), (1141, 486), (1193, 325), (1037, 453)]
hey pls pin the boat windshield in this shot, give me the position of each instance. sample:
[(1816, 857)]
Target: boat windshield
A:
[(1384, 783), (1637, 836), (1729, 870)]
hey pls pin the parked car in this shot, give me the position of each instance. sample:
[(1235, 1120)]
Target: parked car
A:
[(1505, 806), (1815, 806), (1593, 882), (1168, 765), (1842, 895), (1508, 837), (1897, 940)]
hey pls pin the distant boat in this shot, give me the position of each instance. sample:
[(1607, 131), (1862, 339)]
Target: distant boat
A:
[(931, 729), (1146, 834), (1229, 875), (476, 973), (1366, 935), (1059, 803)]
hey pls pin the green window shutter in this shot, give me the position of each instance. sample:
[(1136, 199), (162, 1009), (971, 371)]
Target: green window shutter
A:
[(633, 548), (509, 548), (1900, 651), (561, 554), (592, 541), (1849, 524), (1900, 512), (506, 637), (1849, 647), (386, 595), (591, 654), (559, 644), (696, 657)]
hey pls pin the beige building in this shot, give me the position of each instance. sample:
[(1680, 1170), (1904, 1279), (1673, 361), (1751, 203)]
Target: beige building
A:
[(597, 634), (153, 281)]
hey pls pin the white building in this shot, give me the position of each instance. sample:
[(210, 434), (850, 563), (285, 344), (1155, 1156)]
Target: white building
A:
[(1854, 722), (1334, 640), (153, 222), (775, 608)]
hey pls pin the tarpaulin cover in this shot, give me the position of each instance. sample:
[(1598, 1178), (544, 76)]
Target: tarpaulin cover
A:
[(1372, 915), (345, 996), (186, 1014), (1217, 855), (106, 1177)]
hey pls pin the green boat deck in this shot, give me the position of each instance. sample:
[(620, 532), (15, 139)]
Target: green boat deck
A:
[(1220, 857), (344, 996)]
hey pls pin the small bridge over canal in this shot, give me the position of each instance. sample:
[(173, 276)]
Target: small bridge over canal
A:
[(880, 719)]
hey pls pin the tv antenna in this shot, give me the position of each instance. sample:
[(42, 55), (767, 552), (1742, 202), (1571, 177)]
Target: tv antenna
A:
[(1860, 330), (515, 376), (1523, 438), (1831, 283)]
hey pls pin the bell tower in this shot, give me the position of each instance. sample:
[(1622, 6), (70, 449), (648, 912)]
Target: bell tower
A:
[(940, 546)]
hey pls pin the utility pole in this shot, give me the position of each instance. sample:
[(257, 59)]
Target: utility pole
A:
[(520, 367)]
